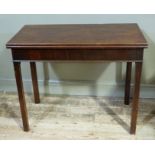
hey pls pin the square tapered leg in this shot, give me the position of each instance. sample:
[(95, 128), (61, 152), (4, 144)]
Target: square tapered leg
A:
[(20, 89), (135, 102), (35, 82), (127, 83)]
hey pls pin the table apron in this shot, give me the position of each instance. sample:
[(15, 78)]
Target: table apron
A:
[(78, 54)]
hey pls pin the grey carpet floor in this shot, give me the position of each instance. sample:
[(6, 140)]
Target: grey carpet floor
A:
[(75, 117)]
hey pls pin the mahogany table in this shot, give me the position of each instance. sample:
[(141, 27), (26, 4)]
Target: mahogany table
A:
[(90, 42)]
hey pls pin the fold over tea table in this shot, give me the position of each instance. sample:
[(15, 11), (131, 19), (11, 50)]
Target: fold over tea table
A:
[(90, 42)]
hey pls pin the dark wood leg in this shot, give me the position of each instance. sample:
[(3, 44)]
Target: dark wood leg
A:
[(35, 82), (20, 89), (127, 83), (134, 112)]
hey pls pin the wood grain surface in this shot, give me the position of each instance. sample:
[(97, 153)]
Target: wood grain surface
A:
[(92, 35)]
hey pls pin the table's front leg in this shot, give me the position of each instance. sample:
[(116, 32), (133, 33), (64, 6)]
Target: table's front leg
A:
[(127, 83), (20, 89), (135, 102), (35, 82)]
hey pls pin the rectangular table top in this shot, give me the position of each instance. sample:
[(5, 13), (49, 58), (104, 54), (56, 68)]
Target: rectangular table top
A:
[(79, 36)]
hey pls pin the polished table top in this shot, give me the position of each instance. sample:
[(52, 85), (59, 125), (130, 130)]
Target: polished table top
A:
[(79, 36)]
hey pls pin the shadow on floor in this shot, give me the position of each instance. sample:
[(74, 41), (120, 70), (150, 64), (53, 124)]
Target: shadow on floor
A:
[(115, 116), (9, 112)]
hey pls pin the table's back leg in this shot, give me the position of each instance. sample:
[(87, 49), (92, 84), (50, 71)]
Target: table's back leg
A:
[(135, 103), (23, 109), (127, 83), (35, 82)]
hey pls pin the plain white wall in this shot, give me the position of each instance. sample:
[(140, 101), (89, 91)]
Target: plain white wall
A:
[(77, 78)]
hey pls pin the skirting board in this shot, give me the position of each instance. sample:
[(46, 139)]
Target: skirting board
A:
[(87, 88)]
